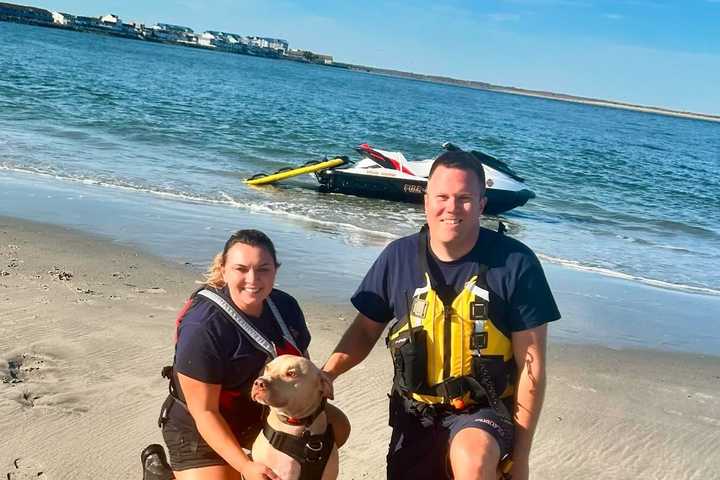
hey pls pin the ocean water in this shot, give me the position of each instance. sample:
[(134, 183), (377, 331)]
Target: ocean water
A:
[(623, 193)]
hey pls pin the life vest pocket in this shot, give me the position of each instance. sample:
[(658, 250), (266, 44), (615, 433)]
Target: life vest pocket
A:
[(409, 353), (492, 373)]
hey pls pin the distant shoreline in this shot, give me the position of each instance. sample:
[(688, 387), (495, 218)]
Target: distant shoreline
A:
[(526, 92), (267, 53)]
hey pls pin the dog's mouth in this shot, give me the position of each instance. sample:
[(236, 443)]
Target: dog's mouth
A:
[(259, 395), (265, 396)]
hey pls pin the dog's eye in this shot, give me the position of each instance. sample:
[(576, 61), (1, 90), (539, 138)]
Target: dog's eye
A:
[(291, 373)]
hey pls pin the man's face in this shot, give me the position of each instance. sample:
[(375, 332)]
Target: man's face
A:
[(454, 201)]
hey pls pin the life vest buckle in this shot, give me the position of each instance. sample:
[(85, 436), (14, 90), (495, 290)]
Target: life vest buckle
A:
[(458, 403)]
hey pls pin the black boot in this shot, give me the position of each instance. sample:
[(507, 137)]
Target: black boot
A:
[(154, 463)]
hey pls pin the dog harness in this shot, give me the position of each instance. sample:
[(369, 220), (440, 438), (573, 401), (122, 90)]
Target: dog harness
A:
[(311, 451)]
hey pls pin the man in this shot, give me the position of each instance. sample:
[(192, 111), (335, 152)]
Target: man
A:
[(468, 345)]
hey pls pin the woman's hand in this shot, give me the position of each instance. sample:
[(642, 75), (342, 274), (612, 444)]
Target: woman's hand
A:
[(258, 471)]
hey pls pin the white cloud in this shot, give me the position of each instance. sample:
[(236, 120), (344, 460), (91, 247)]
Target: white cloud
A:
[(614, 16)]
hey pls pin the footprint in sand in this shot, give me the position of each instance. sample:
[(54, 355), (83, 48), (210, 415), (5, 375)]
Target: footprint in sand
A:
[(22, 371), (24, 470), (22, 366), (33, 378)]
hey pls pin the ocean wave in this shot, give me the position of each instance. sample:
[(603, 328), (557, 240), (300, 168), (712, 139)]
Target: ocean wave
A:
[(121, 185), (353, 234), (307, 217), (358, 235), (575, 265)]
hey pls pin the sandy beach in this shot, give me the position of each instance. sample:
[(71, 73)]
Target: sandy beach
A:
[(86, 325)]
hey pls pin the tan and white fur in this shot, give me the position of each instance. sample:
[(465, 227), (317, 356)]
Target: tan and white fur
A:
[(292, 387)]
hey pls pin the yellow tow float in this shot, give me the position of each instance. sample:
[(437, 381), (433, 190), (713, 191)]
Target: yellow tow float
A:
[(309, 167)]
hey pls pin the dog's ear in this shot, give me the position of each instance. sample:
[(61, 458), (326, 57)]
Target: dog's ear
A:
[(326, 386)]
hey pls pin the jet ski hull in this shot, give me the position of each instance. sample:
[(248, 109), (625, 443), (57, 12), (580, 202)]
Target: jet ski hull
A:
[(408, 190)]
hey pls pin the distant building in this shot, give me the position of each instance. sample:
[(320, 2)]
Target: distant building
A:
[(169, 27), (110, 19), (69, 18), (326, 59), (133, 29), (167, 32), (110, 22), (86, 22), (226, 39), (59, 18), (270, 43), (205, 39)]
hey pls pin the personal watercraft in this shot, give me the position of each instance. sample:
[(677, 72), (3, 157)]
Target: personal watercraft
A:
[(389, 175)]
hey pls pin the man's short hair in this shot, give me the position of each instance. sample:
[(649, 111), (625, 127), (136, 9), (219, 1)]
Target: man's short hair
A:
[(462, 161)]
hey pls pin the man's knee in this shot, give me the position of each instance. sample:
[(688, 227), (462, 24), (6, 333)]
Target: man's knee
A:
[(474, 454)]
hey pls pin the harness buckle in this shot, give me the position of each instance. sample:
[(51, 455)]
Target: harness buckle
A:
[(315, 446)]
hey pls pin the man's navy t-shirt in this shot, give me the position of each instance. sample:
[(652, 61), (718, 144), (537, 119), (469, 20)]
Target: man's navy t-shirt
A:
[(520, 297)]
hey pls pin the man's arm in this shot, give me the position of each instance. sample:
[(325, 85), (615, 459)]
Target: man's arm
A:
[(529, 350), (355, 344)]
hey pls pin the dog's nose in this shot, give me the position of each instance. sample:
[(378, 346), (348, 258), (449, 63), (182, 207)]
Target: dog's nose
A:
[(260, 383)]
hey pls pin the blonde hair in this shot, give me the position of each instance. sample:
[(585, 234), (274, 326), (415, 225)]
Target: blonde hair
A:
[(214, 277)]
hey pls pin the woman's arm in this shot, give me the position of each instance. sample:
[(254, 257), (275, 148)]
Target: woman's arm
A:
[(203, 401)]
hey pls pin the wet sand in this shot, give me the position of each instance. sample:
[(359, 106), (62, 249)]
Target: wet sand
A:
[(86, 325)]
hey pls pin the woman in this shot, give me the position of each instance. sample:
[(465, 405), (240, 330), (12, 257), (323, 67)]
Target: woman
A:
[(210, 419)]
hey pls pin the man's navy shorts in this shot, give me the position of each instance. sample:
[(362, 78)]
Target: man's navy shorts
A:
[(420, 444)]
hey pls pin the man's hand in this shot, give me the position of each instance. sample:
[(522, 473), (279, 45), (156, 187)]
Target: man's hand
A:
[(327, 385)]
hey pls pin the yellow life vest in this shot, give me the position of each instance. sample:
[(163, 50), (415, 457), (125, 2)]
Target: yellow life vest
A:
[(450, 352)]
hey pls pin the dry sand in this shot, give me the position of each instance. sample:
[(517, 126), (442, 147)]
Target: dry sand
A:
[(86, 325)]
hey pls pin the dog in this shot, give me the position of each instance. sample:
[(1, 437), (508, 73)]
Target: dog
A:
[(297, 441)]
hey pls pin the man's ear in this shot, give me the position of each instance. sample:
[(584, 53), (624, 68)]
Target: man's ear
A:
[(483, 203)]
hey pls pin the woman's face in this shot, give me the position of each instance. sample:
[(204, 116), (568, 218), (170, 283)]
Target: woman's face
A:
[(249, 273)]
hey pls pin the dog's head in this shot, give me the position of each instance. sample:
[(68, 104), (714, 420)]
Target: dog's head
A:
[(292, 385)]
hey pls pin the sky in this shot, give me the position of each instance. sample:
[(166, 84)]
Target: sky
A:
[(663, 53)]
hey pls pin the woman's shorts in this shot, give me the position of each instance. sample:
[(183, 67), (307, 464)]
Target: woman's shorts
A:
[(187, 449)]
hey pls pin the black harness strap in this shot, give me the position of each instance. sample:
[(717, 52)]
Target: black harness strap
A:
[(311, 451)]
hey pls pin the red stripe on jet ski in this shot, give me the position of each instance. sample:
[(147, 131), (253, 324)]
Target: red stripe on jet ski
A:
[(379, 156)]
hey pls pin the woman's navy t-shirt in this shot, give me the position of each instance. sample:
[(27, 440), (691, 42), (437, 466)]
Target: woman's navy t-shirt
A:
[(211, 348)]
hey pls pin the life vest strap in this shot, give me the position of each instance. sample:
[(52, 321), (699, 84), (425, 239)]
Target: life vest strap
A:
[(246, 327), (481, 389)]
